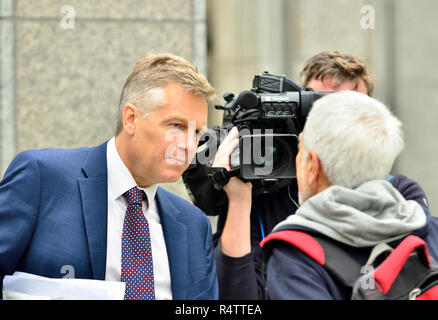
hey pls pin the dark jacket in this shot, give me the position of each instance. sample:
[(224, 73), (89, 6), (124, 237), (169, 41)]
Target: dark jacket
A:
[(293, 275), (244, 278)]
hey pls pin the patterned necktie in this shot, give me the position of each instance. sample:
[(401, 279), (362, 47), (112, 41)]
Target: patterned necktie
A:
[(137, 268)]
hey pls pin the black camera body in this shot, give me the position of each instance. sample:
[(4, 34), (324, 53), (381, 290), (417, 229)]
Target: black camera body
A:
[(269, 117)]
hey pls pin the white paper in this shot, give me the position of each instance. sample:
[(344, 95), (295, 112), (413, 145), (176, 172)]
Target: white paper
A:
[(26, 286)]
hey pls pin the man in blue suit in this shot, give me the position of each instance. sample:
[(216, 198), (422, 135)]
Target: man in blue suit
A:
[(98, 212)]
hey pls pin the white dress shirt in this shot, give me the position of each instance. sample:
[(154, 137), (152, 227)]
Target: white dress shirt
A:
[(120, 180)]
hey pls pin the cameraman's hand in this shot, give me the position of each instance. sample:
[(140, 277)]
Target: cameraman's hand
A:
[(236, 238), (236, 189)]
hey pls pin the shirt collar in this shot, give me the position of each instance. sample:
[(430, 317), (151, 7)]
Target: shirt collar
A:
[(120, 179)]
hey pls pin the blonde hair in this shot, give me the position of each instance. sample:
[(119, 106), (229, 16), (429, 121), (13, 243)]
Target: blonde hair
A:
[(339, 66), (153, 72)]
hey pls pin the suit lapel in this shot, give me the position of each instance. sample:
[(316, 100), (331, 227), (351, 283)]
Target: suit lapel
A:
[(94, 194), (175, 235)]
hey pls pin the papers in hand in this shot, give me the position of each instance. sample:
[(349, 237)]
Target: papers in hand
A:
[(26, 286)]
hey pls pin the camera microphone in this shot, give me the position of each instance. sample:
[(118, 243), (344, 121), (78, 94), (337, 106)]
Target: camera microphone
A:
[(248, 100)]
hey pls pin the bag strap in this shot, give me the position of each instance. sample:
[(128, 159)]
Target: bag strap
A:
[(377, 251), (340, 264), (389, 269)]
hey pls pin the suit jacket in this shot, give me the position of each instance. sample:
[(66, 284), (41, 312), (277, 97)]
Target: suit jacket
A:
[(53, 213)]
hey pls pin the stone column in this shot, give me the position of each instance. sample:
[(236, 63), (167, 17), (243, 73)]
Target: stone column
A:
[(63, 65)]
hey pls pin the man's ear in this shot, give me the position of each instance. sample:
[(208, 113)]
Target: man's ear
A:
[(315, 168), (129, 118)]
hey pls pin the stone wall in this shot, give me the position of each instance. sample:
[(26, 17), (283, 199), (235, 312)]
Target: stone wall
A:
[(63, 65)]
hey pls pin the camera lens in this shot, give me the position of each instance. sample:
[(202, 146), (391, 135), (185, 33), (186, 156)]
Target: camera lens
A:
[(279, 155), (274, 158)]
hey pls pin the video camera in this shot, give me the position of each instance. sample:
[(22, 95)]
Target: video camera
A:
[(269, 118)]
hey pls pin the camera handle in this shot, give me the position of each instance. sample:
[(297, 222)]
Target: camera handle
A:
[(219, 176)]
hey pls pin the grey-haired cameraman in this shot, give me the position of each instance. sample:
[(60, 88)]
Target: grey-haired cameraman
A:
[(249, 219)]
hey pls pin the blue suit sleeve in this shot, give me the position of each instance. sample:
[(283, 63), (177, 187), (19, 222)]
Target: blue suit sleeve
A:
[(211, 262), (19, 205)]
